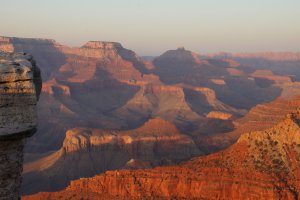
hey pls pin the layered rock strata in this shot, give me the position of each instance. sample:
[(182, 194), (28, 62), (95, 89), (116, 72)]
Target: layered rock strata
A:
[(20, 85), (261, 165), (95, 151)]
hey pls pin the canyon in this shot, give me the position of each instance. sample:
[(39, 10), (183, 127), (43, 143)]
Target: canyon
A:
[(105, 108)]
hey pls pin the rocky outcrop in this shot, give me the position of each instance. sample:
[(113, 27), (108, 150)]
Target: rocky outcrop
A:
[(183, 66), (20, 85), (225, 76), (260, 117), (157, 142), (261, 165), (219, 115)]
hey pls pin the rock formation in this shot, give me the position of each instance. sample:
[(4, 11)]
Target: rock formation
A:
[(230, 80), (155, 143), (20, 85), (104, 86), (261, 165), (130, 93), (183, 66), (260, 117)]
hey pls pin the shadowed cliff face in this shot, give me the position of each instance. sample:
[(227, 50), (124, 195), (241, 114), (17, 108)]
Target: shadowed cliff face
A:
[(11, 158), (20, 86), (261, 165)]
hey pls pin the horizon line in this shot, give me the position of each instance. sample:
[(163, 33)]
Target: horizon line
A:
[(117, 42)]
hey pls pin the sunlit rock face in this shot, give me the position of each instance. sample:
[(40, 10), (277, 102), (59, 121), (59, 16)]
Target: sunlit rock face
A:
[(157, 142), (260, 165), (20, 85), (19, 82)]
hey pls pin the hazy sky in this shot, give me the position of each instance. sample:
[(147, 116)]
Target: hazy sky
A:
[(150, 27)]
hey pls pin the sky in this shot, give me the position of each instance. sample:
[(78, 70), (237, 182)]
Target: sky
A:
[(150, 27)]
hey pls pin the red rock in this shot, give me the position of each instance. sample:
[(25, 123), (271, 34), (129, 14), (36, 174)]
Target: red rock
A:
[(260, 117), (104, 85), (261, 165), (155, 143)]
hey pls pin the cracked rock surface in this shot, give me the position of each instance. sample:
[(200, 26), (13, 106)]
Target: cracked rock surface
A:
[(20, 85)]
